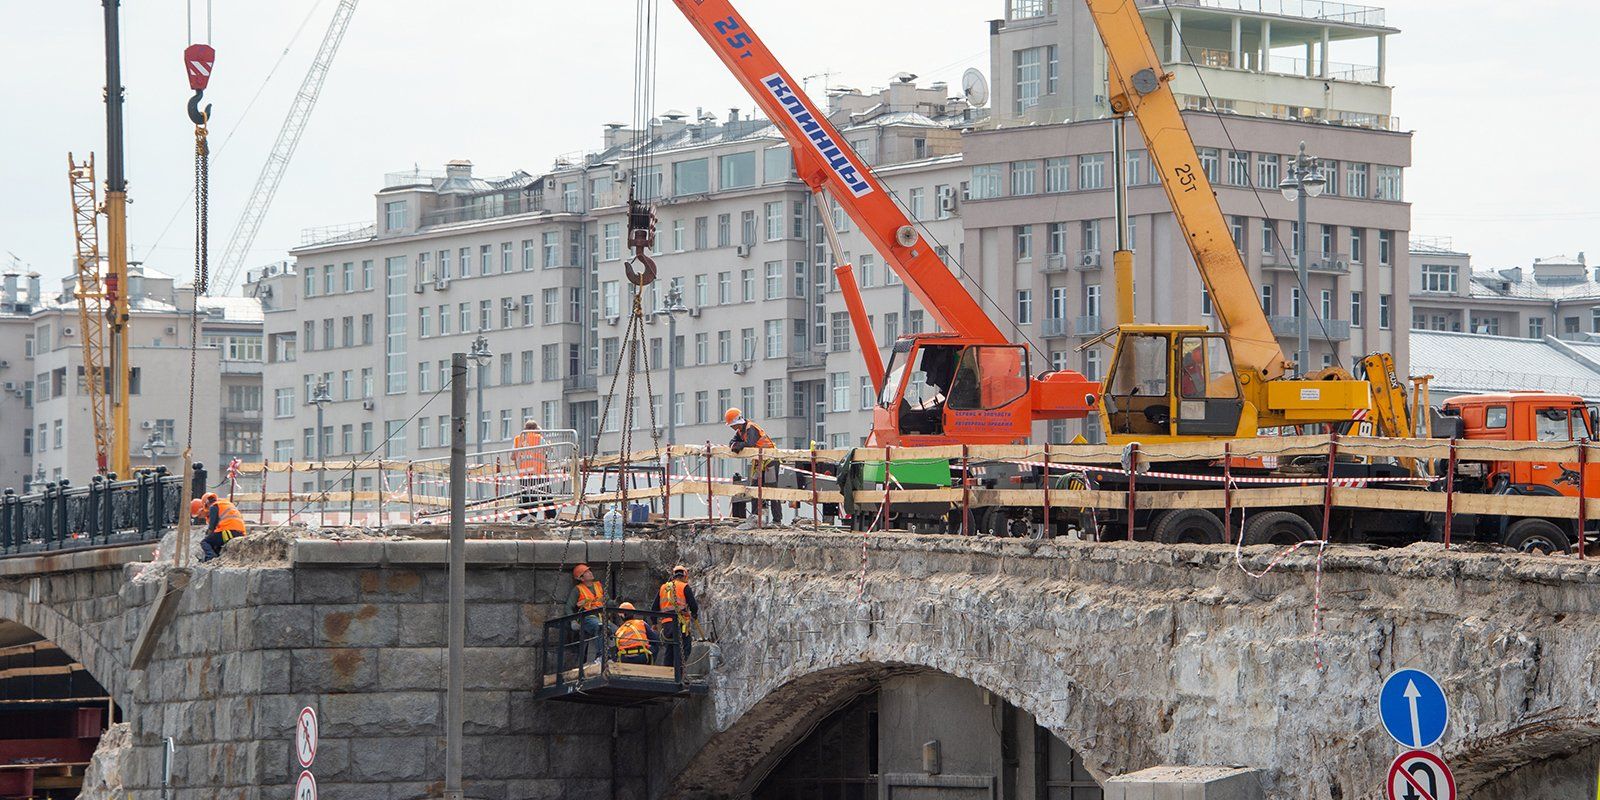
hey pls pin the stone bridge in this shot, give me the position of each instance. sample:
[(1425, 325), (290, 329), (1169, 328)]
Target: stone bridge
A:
[(1134, 655)]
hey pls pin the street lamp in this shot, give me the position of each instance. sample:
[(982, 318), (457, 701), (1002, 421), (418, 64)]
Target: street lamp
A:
[(671, 308), (153, 447), (480, 356), (320, 398), (1303, 178)]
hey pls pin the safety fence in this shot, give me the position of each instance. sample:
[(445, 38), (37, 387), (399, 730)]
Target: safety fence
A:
[(101, 513)]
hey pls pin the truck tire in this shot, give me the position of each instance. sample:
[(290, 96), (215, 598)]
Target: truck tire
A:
[(1534, 535), (1187, 526), (1281, 528), (994, 523)]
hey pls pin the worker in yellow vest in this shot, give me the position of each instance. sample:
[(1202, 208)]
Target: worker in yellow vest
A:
[(223, 524), (632, 637), (748, 435), (588, 598), (532, 472), (676, 596)]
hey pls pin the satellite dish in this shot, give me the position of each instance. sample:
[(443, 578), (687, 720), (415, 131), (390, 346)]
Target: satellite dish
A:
[(975, 88)]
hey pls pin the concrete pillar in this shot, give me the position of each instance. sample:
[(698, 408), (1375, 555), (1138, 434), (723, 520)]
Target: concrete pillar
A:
[(1175, 49), (1383, 57), (1186, 783), (1237, 59), (1266, 45), (1322, 59), (1310, 59)]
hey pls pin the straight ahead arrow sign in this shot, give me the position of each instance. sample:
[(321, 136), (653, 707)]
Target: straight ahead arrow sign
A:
[(1411, 695)]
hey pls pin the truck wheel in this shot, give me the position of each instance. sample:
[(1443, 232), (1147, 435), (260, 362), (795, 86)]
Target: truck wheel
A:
[(1281, 528), (1187, 526), (1534, 535), (994, 523)]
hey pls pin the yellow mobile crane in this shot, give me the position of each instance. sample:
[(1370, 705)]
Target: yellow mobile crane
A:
[(1185, 382), (91, 296)]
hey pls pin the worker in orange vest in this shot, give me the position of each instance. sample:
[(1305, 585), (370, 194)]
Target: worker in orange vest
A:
[(532, 469), (223, 524), (676, 596), (746, 435), (588, 598), (632, 637), (197, 511)]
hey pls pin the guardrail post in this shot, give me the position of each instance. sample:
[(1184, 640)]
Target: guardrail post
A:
[(158, 501), (108, 502), (1449, 492), (59, 519), (197, 485), (141, 501), (8, 505), (91, 508)]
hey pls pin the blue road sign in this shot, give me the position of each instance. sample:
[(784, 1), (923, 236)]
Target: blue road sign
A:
[(1413, 708)]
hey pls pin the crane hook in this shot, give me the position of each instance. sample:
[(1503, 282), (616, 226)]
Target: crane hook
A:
[(645, 278), (197, 116)]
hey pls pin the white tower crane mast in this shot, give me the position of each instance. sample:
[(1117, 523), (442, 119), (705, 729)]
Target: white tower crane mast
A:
[(244, 233)]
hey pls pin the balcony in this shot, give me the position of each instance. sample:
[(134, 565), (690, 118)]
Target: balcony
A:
[(1321, 263), (1053, 327), (578, 383), (1087, 325), (236, 367), (497, 206), (1348, 13), (1087, 260), (1055, 262), (808, 359), (1337, 330)]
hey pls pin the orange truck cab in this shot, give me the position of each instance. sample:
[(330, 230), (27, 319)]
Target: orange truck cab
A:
[(1526, 416)]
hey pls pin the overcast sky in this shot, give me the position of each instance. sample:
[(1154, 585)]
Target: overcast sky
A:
[(1493, 91)]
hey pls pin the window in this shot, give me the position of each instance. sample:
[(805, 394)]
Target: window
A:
[(366, 382), (774, 338), (1267, 170), (724, 230), (283, 402), (1355, 180), (570, 201), (612, 241), (1024, 306), (775, 279), (1358, 244), (327, 279), (724, 347), (1031, 9), (776, 165), (1383, 311), (424, 373), (869, 270), (747, 228), (485, 314), (527, 254), (611, 299), (485, 260), (1329, 233), (1269, 237), (507, 263), (1091, 300), (366, 274), (1057, 172), (1327, 304), (1092, 171), (1267, 306), (311, 283), (1024, 178), (1210, 162), (1385, 247), (1058, 302), (1294, 301), (1090, 231), (1052, 69), (839, 332), (1238, 168), (868, 396), (747, 344), (424, 322), (839, 383), (396, 289), (1135, 167), (986, 181), (691, 177), (394, 215), (1355, 309), (736, 170), (1536, 327), (1029, 72), (773, 214), (1205, 302), (701, 236), (1439, 278), (1056, 238), (747, 285), (702, 291), (774, 393), (1023, 234), (1236, 229), (915, 200)]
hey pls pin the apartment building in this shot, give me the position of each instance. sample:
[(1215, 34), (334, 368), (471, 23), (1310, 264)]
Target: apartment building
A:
[(53, 434), (535, 265), (1038, 206), (1555, 296)]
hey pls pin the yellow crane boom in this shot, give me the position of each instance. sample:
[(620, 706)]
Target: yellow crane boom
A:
[(91, 296)]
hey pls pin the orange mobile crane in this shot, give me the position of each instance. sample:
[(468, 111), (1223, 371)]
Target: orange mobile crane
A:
[(981, 387)]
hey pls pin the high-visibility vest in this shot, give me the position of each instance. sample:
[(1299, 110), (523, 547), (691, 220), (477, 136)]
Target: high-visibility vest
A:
[(761, 436), (632, 638), (230, 522), (591, 596), (673, 598), (530, 460)]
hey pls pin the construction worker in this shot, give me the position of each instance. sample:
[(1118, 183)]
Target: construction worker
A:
[(223, 524), (197, 511), (747, 434), (532, 472), (632, 637), (587, 598), (676, 595)]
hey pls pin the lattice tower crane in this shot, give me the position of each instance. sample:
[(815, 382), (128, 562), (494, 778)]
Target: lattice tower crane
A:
[(92, 302)]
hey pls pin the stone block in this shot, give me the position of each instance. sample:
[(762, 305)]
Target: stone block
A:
[(487, 713), (352, 791), (491, 552), (363, 625), (416, 552), (493, 624), (270, 587), (499, 667), (402, 668), (284, 626), (382, 714), (276, 671), (489, 585), (275, 714), (1186, 783), (334, 669), (389, 758), (547, 551), (322, 585), (390, 585), (321, 551), (587, 756), (543, 789), (422, 625), (501, 757)]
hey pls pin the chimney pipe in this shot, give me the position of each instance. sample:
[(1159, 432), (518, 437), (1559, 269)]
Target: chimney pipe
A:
[(33, 289)]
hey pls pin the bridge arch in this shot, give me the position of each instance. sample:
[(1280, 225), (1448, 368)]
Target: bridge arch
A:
[(82, 640)]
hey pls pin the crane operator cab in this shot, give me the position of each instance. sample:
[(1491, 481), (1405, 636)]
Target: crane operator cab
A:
[(1173, 382), (940, 389)]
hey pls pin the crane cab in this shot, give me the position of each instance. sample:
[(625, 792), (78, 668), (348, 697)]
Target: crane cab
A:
[(1173, 383), (949, 389)]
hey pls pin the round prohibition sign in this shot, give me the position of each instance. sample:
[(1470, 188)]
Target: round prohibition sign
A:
[(306, 787), (305, 738), (1419, 775)]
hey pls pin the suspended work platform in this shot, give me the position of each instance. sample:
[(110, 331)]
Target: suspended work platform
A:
[(579, 662)]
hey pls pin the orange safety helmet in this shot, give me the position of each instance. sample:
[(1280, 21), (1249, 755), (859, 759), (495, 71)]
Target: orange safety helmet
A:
[(625, 606), (734, 416), (577, 572), (196, 506), (209, 498)]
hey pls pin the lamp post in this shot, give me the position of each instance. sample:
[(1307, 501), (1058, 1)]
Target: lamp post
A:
[(1303, 178), (480, 356), (153, 447), (320, 398), (671, 308)]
